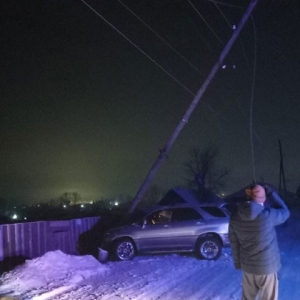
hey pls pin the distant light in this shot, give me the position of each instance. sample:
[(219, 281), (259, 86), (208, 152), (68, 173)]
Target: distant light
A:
[(116, 203), (64, 206), (82, 205), (14, 217), (25, 218), (224, 67), (234, 27)]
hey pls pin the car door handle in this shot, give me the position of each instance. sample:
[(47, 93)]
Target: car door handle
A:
[(199, 223)]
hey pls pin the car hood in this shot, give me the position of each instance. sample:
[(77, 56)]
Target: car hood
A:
[(122, 229)]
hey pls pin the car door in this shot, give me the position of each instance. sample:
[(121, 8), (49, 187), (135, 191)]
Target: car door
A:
[(156, 234), (186, 224)]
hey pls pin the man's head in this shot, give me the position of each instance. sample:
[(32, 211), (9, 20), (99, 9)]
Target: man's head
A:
[(256, 193)]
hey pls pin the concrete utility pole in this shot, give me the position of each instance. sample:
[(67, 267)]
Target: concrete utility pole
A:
[(164, 152)]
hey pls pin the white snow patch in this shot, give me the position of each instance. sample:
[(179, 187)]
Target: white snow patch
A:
[(54, 266)]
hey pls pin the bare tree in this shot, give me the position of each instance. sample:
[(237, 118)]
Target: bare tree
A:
[(203, 170), (68, 198)]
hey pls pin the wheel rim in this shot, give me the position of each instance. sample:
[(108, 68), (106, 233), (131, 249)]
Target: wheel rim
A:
[(125, 251), (209, 249)]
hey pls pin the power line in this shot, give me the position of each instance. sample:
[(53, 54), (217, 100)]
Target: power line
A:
[(252, 87), (203, 19), (137, 47), (252, 100), (229, 24), (225, 4), (223, 15), (162, 39), (150, 58), (164, 152)]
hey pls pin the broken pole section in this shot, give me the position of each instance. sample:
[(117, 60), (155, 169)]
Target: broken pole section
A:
[(164, 152)]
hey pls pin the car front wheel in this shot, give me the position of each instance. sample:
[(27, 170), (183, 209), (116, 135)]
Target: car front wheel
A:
[(209, 248), (124, 250)]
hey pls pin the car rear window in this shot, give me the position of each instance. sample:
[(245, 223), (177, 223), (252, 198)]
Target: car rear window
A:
[(214, 211)]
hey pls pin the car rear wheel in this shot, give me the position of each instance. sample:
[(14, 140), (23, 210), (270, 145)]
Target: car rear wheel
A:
[(124, 250), (209, 248)]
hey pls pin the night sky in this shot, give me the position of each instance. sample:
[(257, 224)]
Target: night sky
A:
[(83, 110)]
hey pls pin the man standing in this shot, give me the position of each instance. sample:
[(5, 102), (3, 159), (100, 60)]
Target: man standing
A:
[(254, 243)]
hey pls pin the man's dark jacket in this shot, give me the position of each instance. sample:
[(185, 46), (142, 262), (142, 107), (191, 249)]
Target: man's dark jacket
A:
[(253, 237)]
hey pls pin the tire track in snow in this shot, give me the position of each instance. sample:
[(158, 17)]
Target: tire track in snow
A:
[(162, 278), (153, 279), (204, 284), (176, 272), (193, 283)]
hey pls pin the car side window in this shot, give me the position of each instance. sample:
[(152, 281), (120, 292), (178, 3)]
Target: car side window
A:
[(214, 211), (160, 217), (185, 214)]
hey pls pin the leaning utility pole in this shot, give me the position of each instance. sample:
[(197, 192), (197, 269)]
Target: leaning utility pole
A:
[(164, 152)]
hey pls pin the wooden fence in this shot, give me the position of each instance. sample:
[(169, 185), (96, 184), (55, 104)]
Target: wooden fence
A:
[(33, 239)]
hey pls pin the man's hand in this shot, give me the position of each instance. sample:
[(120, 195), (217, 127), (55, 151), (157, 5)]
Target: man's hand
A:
[(268, 190)]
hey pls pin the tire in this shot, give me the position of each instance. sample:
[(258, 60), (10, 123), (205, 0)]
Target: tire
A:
[(124, 249), (209, 248)]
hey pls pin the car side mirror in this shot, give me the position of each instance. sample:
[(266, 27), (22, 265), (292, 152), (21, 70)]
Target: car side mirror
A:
[(144, 223)]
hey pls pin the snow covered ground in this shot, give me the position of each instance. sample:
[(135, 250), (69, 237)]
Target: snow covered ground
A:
[(58, 276)]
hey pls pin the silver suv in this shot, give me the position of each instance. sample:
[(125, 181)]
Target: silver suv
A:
[(178, 228)]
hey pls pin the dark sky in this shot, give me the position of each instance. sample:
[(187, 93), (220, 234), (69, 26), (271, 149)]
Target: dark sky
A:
[(84, 110)]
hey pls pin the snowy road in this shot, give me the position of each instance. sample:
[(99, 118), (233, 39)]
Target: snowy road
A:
[(162, 277)]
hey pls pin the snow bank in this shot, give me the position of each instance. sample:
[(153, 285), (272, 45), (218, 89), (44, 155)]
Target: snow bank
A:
[(54, 266)]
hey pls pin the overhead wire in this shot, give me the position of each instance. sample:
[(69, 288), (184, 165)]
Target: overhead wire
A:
[(252, 90), (205, 22), (252, 100), (137, 47), (162, 39), (226, 4), (229, 24), (223, 15), (253, 78), (241, 44), (143, 52), (177, 81), (251, 130), (215, 34)]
